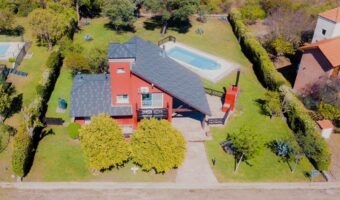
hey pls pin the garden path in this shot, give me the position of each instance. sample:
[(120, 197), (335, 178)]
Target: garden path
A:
[(196, 168)]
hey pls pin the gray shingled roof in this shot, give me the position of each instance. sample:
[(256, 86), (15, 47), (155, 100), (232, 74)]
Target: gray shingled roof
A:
[(163, 72), (91, 95)]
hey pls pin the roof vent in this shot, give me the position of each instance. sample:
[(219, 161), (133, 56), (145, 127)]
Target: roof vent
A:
[(80, 76), (163, 52)]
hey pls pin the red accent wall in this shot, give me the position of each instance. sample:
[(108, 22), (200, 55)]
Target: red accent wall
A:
[(80, 120), (130, 84)]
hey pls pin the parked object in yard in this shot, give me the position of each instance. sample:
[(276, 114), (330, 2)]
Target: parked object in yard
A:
[(326, 128)]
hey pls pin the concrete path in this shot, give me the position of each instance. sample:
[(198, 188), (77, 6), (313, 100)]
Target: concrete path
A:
[(196, 168)]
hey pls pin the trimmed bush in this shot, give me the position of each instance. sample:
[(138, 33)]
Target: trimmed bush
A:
[(22, 150), (103, 143), (157, 145), (73, 130), (255, 52), (306, 133)]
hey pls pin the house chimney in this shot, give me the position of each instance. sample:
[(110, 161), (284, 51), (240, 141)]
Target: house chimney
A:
[(237, 77)]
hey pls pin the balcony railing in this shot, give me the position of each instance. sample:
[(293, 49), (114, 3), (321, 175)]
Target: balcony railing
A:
[(158, 113)]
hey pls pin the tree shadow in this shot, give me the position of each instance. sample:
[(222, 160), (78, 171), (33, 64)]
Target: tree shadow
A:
[(17, 31), (16, 106), (180, 26), (121, 29), (261, 103)]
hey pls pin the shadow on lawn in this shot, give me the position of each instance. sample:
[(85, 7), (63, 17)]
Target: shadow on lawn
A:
[(180, 26), (121, 29)]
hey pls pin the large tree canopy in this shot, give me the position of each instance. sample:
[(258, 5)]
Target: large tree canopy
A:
[(157, 145), (6, 19), (120, 12), (51, 24), (172, 9), (103, 143)]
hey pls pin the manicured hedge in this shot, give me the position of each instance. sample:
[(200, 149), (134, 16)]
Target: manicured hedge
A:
[(23, 143), (255, 52), (22, 150), (306, 133), (73, 130)]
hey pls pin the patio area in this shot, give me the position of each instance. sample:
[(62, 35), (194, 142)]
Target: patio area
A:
[(190, 123)]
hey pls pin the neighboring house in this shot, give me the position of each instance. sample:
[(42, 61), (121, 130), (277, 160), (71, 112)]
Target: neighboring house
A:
[(143, 83), (328, 25), (321, 58)]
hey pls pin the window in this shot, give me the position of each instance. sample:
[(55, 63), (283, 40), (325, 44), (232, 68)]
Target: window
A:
[(152, 100), (324, 31), (120, 71), (121, 99)]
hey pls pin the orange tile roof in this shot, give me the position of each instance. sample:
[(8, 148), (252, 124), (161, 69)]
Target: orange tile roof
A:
[(324, 124), (329, 48), (333, 15)]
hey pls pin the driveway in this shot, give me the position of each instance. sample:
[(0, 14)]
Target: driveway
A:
[(334, 144), (196, 168)]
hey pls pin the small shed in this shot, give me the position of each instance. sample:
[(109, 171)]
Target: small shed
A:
[(326, 128)]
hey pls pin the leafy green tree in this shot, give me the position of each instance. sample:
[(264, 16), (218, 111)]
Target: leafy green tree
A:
[(98, 61), (120, 12), (22, 149), (243, 144), (272, 103), (6, 99), (6, 19), (172, 9), (288, 150), (157, 145), (103, 143), (76, 62), (32, 114), (50, 25)]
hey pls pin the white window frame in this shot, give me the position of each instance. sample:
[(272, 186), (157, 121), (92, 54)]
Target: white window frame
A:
[(161, 101), (121, 100), (120, 70)]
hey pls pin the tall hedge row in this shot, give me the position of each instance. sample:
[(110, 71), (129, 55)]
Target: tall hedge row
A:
[(306, 133), (22, 152), (255, 52), (304, 127), (23, 143)]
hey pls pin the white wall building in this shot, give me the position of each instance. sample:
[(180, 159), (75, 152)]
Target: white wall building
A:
[(328, 25)]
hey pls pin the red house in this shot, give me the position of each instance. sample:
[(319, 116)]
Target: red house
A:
[(143, 83)]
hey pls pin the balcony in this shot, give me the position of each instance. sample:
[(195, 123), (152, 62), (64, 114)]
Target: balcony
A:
[(158, 113)]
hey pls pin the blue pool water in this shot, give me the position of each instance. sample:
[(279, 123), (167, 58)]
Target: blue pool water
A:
[(192, 59), (3, 49)]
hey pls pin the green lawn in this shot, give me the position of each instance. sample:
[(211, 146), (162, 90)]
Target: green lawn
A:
[(34, 66), (59, 158), (62, 90), (219, 40)]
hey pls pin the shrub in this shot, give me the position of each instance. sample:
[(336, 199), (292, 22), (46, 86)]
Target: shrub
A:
[(253, 49), (252, 11), (329, 111), (11, 60), (272, 103), (73, 130), (157, 145), (22, 150), (103, 143), (54, 60)]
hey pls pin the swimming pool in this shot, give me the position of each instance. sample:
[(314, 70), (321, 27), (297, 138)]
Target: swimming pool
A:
[(3, 49), (192, 59)]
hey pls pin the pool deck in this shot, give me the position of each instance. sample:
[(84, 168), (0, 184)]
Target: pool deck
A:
[(214, 76), (13, 49)]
